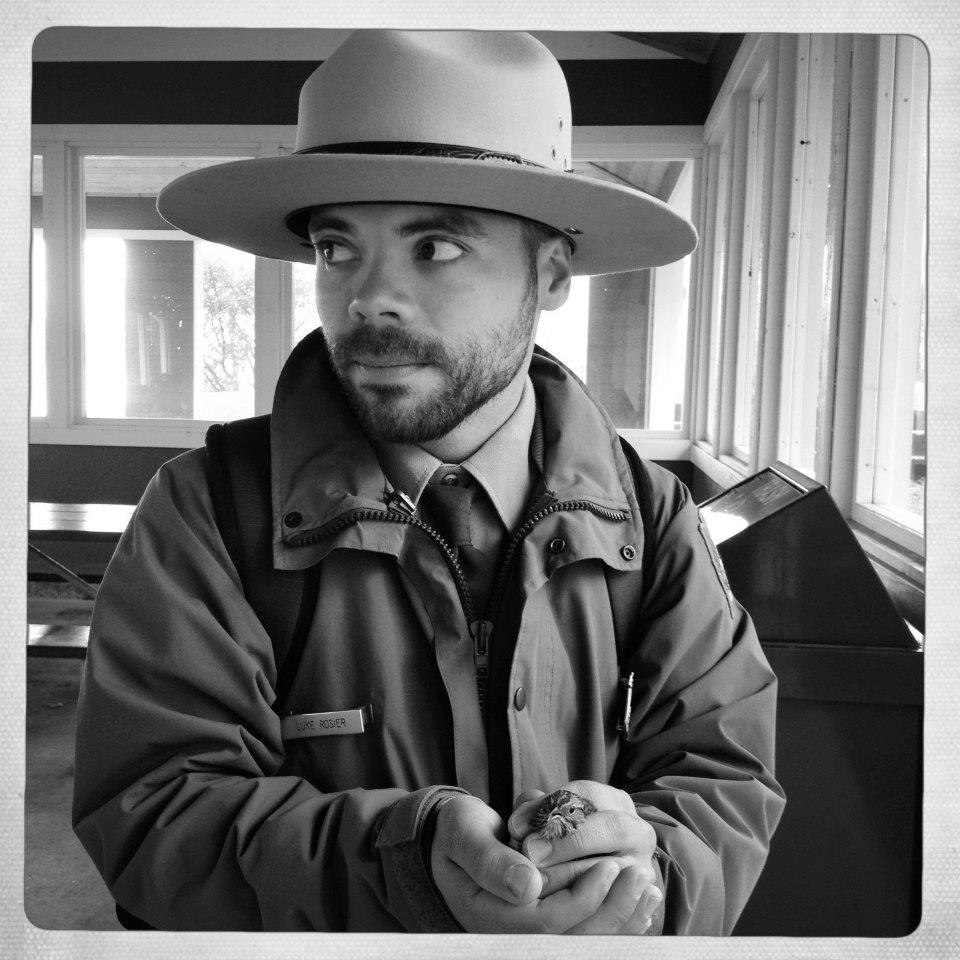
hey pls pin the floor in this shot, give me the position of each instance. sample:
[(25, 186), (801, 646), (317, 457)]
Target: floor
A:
[(62, 889)]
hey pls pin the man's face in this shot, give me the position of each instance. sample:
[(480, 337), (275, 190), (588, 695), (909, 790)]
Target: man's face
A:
[(429, 311)]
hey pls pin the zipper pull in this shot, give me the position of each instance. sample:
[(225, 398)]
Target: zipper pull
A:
[(398, 500), (481, 630), (626, 703)]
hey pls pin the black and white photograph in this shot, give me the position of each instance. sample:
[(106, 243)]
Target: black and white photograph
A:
[(476, 483)]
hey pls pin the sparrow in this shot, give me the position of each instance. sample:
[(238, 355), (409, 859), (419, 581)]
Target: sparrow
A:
[(560, 813)]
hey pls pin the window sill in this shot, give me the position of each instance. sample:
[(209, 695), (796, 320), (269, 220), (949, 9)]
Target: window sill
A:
[(135, 434), (900, 570)]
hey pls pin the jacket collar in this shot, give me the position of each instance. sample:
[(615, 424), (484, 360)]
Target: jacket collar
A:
[(323, 466)]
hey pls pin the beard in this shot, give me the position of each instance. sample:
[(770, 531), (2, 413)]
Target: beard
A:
[(472, 373)]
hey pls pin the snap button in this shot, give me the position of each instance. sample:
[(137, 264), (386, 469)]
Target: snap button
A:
[(293, 519), (628, 551), (520, 698), (449, 480), (557, 545)]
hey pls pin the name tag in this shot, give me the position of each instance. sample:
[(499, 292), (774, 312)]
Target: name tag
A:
[(333, 723)]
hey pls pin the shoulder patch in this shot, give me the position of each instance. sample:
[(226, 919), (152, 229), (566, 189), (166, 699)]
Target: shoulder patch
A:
[(718, 567)]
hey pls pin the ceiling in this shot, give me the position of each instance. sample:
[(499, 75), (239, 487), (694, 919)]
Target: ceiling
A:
[(63, 44)]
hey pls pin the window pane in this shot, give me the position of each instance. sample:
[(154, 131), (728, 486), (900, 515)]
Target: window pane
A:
[(38, 297), (625, 334), (899, 461), (168, 321), (755, 229), (718, 294), (305, 316)]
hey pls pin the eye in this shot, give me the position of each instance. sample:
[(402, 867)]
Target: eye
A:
[(439, 251), (332, 251)]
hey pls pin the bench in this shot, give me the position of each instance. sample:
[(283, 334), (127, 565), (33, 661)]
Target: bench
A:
[(57, 640), (59, 627)]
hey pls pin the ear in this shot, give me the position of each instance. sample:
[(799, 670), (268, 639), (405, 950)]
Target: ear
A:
[(555, 272)]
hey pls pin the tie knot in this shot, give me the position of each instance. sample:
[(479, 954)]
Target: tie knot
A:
[(445, 504)]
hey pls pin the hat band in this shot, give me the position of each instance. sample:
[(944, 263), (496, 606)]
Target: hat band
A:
[(408, 148)]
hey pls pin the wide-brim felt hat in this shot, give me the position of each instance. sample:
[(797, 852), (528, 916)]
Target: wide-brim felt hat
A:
[(468, 119)]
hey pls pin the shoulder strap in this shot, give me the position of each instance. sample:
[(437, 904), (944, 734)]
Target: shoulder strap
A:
[(238, 468), (626, 593)]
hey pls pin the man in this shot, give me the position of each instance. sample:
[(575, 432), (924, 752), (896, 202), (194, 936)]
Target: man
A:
[(491, 577)]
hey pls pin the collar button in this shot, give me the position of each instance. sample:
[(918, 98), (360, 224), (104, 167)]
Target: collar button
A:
[(292, 519)]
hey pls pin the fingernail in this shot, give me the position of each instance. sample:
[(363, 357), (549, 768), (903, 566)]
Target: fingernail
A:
[(538, 850), (518, 878), (651, 898)]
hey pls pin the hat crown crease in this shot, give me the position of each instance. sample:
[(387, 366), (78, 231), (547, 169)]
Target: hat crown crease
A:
[(491, 92)]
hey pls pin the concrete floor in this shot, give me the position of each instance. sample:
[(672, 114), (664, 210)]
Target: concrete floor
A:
[(62, 889)]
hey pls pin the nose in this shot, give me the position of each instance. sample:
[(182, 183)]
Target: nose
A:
[(382, 294)]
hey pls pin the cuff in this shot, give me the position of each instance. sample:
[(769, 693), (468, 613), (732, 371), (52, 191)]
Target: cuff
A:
[(403, 842)]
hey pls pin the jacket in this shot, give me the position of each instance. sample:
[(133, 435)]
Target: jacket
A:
[(199, 815)]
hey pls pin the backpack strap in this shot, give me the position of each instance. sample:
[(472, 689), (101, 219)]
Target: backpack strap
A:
[(238, 470), (627, 590)]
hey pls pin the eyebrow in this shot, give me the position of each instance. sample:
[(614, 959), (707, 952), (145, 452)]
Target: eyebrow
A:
[(443, 221)]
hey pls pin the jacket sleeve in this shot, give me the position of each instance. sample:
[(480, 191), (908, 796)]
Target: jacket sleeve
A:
[(177, 796), (699, 759)]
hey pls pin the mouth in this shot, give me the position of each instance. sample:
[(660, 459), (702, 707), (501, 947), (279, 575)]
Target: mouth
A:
[(382, 363), (384, 370)]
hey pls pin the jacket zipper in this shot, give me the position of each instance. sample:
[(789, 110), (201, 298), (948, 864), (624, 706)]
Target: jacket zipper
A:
[(400, 510)]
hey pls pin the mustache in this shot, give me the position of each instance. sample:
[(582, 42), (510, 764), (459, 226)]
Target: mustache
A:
[(393, 342)]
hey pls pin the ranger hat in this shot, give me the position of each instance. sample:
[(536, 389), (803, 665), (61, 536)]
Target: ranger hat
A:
[(468, 119)]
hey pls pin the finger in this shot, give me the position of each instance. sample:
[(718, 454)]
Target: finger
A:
[(563, 875), (566, 908), (604, 833), (642, 919), (527, 796), (495, 867), (650, 902), (519, 824), (618, 906)]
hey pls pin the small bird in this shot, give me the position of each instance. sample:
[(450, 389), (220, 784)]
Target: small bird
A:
[(560, 813)]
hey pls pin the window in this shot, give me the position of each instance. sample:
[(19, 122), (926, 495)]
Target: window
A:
[(809, 334), (153, 334), (305, 316), (811, 320), (167, 321), (718, 297), (891, 463), (756, 224), (150, 333)]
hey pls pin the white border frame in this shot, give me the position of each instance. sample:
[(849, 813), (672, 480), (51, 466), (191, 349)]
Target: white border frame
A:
[(936, 23)]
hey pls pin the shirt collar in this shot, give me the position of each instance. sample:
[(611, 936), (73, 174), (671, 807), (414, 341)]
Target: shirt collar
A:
[(501, 466)]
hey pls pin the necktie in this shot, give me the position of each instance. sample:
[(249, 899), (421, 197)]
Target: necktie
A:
[(446, 504)]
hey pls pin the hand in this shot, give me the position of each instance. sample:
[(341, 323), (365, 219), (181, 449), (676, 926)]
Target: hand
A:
[(491, 888), (614, 832)]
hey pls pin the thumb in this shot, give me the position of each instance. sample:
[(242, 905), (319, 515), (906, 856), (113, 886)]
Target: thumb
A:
[(468, 834)]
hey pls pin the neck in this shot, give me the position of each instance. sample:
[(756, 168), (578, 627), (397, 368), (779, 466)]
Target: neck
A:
[(472, 433)]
